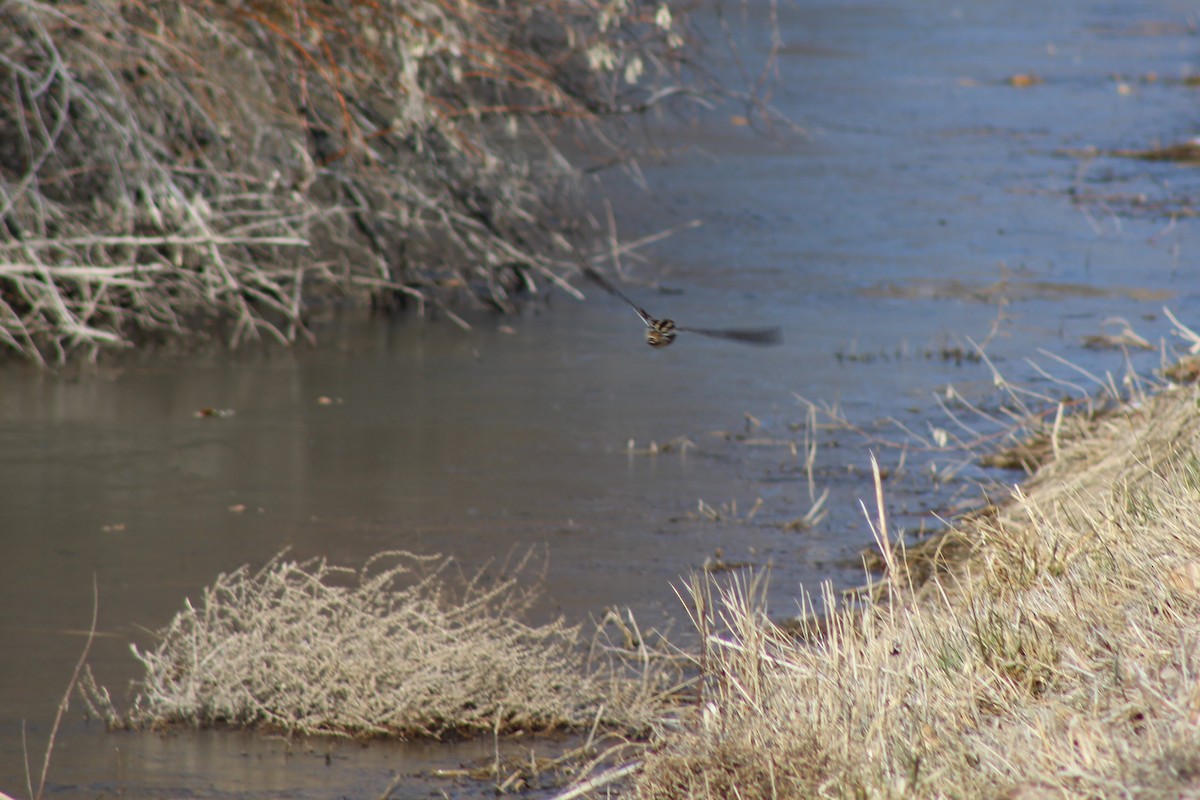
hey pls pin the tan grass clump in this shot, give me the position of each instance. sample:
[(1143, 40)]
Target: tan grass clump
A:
[(397, 648), (1061, 659)]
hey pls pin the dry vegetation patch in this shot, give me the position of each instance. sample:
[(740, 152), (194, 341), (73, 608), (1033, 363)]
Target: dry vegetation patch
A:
[(1057, 656), (164, 164), (400, 647), (1059, 659)]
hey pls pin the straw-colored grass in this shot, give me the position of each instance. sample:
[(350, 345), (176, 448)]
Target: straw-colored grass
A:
[(1061, 658), (402, 647)]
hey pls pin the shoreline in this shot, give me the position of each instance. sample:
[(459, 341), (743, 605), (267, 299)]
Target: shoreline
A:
[(1052, 659)]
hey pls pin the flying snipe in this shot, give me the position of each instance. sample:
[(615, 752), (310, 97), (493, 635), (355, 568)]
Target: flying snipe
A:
[(661, 332)]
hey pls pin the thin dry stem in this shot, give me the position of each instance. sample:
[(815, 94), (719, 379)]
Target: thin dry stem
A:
[(63, 704)]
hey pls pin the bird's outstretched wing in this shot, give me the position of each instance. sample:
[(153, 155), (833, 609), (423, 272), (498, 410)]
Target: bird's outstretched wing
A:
[(756, 336), (602, 282)]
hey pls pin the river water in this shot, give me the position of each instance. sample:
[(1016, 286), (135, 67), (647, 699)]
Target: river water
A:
[(928, 204)]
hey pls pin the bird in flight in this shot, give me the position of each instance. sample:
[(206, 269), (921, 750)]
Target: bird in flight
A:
[(661, 332)]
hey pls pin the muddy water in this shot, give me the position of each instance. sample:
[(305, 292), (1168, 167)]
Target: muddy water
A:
[(928, 204)]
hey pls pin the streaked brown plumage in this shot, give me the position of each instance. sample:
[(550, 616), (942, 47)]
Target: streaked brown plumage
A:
[(661, 332)]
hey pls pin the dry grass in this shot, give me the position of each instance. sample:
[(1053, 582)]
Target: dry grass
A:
[(398, 648), (1057, 655), (164, 164), (1059, 659)]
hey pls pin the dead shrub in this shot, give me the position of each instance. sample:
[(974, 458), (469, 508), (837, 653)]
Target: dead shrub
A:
[(164, 164), (400, 647)]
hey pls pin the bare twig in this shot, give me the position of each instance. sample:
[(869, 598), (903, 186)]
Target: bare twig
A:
[(65, 702), (252, 158)]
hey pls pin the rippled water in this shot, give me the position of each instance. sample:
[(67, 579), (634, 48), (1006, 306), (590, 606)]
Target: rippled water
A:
[(928, 204)]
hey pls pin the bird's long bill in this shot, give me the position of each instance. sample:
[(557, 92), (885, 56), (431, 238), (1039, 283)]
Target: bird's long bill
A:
[(755, 336), (599, 280)]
